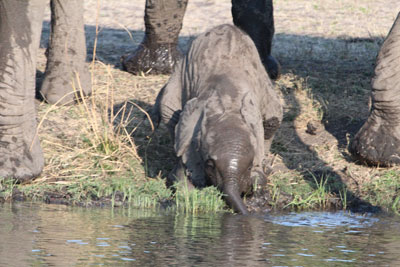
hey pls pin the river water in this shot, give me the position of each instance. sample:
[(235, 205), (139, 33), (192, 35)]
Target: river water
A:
[(55, 235)]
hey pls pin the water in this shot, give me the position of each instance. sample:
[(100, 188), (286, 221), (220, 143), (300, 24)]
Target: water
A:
[(55, 235)]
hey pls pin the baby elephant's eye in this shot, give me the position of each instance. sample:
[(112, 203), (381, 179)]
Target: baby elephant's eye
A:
[(210, 164)]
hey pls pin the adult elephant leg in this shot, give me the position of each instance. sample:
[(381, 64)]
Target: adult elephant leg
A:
[(256, 18), (158, 51), (67, 73), (378, 140), (20, 26)]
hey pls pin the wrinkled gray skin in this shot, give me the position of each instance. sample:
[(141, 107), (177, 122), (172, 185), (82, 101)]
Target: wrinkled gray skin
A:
[(20, 27), (222, 111), (67, 73), (378, 141), (163, 20)]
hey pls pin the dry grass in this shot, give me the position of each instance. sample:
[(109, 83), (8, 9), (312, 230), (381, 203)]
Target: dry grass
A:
[(327, 51)]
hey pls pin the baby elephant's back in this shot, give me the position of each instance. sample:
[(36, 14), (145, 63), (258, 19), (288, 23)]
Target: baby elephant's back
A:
[(224, 49)]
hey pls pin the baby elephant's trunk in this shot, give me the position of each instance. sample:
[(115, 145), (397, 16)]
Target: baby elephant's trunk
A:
[(233, 199), (234, 154)]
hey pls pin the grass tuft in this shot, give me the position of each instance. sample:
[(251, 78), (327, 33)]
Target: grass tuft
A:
[(7, 188), (318, 197), (193, 200), (384, 190)]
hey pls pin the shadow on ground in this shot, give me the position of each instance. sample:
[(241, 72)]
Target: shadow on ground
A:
[(335, 75), (111, 43), (153, 141)]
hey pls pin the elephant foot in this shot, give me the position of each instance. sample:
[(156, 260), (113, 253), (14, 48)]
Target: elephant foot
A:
[(152, 59), (22, 163), (273, 67), (67, 76), (62, 85), (377, 144), (21, 174)]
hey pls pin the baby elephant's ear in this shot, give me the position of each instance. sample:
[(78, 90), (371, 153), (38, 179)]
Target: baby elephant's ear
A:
[(184, 130)]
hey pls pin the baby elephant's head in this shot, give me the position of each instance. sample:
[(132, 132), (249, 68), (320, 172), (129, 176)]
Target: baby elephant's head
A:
[(229, 164)]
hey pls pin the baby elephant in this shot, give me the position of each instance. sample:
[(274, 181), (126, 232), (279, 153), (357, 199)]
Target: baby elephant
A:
[(222, 111)]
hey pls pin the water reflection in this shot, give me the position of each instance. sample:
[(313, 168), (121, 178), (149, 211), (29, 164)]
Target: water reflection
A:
[(36, 234)]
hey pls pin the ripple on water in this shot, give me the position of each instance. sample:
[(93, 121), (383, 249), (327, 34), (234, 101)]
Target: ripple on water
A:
[(77, 241), (324, 220), (128, 259), (334, 226), (103, 244)]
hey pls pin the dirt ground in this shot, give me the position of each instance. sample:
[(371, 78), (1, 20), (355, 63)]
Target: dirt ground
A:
[(327, 51)]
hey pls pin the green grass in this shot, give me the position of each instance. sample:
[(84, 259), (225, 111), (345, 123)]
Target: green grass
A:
[(318, 196), (86, 191), (384, 190), (116, 191), (6, 188), (288, 191), (194, 200), (294, 192)]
